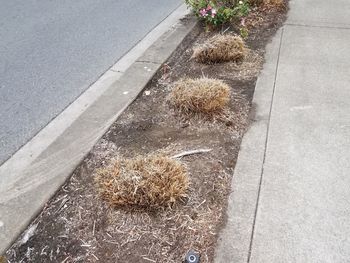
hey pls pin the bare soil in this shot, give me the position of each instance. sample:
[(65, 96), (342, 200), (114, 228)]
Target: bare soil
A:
[(77, 226)]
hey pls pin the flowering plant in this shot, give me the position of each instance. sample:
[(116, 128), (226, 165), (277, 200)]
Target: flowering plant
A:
[(217, 12)]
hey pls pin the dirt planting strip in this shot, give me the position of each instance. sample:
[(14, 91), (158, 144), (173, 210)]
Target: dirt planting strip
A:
[(34, 174), (78, 226)]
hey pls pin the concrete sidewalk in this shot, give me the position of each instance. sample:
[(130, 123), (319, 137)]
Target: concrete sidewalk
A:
[(291, 188)]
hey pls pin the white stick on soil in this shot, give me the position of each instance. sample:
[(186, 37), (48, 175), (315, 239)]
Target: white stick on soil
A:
[(190, 153)]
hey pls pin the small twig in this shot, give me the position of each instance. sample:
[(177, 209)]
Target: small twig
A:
[(151, 260), (43, 251), (85, 245), (225, 30), (203, 75), (59, 199), (80, 215), (64, 201), (111, 242), (149, 251), (190, 153), (128, 241), (92, 254), (93, 228), (65, 259), (201, 204)]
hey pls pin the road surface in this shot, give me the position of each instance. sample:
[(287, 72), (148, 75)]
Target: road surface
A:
[(52, 51)]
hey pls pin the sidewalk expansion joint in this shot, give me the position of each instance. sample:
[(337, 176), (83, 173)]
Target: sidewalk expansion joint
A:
[(266, 145), (318, 26)]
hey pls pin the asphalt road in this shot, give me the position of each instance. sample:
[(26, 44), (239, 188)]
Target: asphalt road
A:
[(51, 51)]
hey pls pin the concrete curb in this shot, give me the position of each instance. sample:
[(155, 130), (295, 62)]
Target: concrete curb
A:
[(235, 238), (33, 174)]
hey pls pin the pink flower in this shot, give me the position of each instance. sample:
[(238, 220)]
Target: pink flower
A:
[(209, 7), (213, 13), (203, 12)]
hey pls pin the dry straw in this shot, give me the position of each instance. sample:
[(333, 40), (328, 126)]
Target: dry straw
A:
[(151, 181), (220, 48), (203, 95), (267, 2), (274, 2)]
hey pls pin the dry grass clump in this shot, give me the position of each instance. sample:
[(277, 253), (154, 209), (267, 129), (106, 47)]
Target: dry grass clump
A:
[(151, 181), (201, 95), (220, 48)]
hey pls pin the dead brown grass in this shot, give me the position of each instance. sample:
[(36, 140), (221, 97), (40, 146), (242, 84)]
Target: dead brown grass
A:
[(273, 2), (248, 69), (150, 181), (267, 2), (201, 95), (220, 48)]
